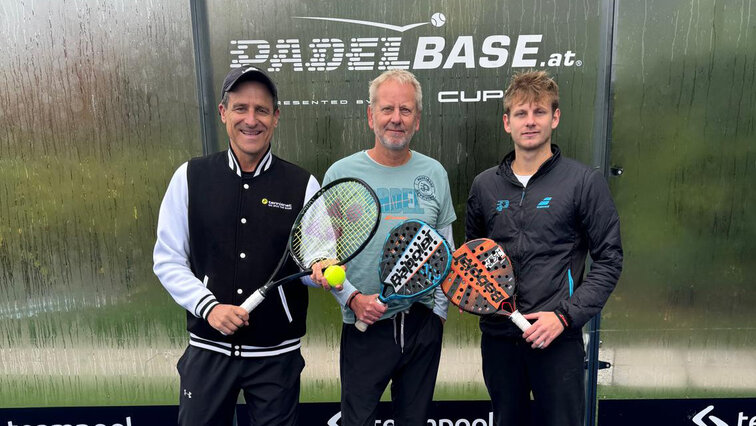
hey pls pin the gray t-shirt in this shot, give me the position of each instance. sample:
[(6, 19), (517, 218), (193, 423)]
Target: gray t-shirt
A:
[(418, 189)]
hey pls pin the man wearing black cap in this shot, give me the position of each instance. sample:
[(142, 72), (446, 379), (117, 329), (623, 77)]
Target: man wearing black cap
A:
[(223, 225)]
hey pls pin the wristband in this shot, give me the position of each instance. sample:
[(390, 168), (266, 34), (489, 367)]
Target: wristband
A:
[(351, 297), (563, 317)]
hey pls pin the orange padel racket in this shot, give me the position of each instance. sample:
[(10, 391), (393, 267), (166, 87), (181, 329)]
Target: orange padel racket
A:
[(482, 282)]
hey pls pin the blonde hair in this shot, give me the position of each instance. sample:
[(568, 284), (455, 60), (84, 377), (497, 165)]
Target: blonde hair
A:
[(531, 86), (401, 77)]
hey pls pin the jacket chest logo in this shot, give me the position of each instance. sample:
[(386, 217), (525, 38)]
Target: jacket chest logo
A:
[(544, 204), (501, 205), (275, 204)]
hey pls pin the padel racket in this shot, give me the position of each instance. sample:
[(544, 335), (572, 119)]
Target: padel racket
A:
[(482, 281), (336, 223), (415, 260)]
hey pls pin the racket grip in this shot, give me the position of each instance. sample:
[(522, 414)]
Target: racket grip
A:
[(519, 320), (361, 325), (252, 301)]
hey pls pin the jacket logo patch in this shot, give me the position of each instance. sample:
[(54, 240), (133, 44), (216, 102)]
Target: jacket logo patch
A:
[(275, 204), (501, 205), (544, 204)]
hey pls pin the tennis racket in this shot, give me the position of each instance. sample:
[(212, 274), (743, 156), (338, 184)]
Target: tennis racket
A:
[(415, 260), (335, 224), (482, 282)]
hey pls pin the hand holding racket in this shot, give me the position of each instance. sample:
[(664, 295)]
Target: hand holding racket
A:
[(335, 224), (482, 282), (415, 260)]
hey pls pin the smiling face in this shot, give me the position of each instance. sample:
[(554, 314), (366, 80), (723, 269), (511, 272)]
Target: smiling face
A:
[(531, 124), (250, 118), (394, 116)]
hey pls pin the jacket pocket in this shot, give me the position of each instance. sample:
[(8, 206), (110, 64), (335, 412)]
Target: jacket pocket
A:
[(284, 303)]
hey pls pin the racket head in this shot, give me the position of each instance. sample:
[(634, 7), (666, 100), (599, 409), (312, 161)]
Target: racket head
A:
[(336, 223), (481, 280), (415, 259)]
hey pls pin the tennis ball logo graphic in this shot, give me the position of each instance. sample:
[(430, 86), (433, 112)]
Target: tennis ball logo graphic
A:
[(438, 19), (265, 201), (334, 275)]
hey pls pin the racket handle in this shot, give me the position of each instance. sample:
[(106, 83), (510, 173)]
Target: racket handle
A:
[(361, 325), (252, 301), (519, 320)]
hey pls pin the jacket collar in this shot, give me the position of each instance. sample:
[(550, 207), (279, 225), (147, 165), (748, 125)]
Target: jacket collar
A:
[(262, 166), (505, 168)]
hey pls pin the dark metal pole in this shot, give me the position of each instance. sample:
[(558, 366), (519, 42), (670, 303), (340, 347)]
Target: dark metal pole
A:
[(601, 151), (204, 70)]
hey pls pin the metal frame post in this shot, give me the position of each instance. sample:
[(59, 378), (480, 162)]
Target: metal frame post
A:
[(601, 160), (204, 70)]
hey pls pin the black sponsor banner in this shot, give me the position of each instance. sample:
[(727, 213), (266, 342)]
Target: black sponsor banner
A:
[(89, 416), (674, 412), (444, 413), (646, 412)]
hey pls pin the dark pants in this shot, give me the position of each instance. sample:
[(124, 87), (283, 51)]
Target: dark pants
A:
[(370, 359), (210, 385), (555, 375)]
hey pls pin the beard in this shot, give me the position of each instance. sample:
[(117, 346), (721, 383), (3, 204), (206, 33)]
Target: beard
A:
[(394, 144)]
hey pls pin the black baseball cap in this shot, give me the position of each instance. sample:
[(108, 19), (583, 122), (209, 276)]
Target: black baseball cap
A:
[(238, 75)]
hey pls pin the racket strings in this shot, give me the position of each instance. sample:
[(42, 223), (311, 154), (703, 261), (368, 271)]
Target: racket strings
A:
[(334, 224), (435, 259)]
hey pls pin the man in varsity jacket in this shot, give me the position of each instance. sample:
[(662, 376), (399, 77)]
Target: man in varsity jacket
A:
[(223, 225), (548, 212)]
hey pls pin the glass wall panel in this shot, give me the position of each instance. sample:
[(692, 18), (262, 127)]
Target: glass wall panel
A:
[(682, 321), (97, 109), (323, 55)]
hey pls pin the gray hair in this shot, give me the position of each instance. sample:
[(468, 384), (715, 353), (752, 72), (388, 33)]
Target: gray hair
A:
[(401, 77), (224, 100)]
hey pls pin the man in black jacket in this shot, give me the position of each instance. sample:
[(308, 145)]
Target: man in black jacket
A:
[(223, 225), (548, 212)]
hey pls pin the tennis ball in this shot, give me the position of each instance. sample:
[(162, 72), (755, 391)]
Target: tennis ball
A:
[(334, 275)]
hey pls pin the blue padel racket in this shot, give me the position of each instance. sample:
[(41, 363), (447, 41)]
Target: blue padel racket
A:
[(415, 260)]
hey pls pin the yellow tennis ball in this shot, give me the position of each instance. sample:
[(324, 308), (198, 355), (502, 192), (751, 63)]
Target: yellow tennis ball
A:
[(334, 275)]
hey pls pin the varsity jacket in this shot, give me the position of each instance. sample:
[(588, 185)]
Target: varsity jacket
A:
[(221, 232), (547, 229)]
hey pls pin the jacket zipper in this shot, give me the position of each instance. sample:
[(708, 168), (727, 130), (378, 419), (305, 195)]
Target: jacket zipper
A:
[(520, 219)]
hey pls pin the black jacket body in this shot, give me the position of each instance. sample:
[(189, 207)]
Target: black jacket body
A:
[(237, 236), (547, 229)]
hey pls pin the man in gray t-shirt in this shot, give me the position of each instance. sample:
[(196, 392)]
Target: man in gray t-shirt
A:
[(403, 341)]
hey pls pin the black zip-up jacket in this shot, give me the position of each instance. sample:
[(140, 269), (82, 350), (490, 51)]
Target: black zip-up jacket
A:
[(547, 229)]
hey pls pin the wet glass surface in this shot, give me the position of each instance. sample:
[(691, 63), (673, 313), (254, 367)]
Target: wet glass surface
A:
[(681, 322), (98, 108)]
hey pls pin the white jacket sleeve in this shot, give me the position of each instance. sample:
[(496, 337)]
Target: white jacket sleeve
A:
[(171, 254)]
